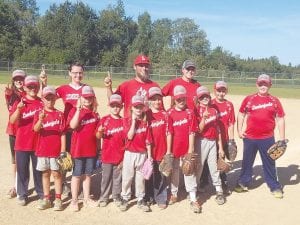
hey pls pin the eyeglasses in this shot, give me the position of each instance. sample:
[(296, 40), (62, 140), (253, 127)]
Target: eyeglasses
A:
[(204, 96)]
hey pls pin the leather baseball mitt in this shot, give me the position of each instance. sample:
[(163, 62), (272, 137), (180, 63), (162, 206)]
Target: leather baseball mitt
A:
[(65, 162), (190, 164), (223, 166), (232, 150), (277, 149), (166, 165)]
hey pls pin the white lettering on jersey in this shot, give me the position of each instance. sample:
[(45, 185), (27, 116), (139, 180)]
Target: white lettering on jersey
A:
[(210, 119), (72, 96), (92, 120), (221, 114), (142, 92), (114, 130), (180, 122), (51, 123), (140, 130), (29, 114), (262, 106), (157, 123)]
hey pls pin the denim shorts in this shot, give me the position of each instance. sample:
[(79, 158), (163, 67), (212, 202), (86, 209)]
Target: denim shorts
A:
[(46, 163), (84, 165)]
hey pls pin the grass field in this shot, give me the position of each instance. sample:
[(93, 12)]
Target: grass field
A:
[(234, 89)]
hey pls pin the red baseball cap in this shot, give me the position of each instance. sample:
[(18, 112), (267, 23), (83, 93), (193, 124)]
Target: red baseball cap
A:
[(220, 84), (115, 98), (137, 100), (202, 90), (18, 73), (141, 59), (264, 78), (48, 90), (29, 80), (179, 92), (154, 91), (87, 91)]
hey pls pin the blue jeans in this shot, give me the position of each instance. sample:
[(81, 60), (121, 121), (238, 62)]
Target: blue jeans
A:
[(251, 146)]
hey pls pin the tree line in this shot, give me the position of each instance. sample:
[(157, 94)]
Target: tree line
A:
[(109, 37)]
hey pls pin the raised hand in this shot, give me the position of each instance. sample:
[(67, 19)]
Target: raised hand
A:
[(108, 80), (43, 76), (8, 90), (42, 115)]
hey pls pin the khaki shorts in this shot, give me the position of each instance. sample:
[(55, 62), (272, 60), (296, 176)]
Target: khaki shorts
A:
[(46, 163)]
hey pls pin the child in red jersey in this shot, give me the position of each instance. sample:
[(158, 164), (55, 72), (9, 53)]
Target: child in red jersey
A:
[(156, 186), (23, 115), (183, 123), (111, 131), (137, 150), (84, 121), (207, 140), (49, 123), (13, 93)]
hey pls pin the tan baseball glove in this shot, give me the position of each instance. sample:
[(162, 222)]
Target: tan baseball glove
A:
[(223, 166), (166, 165), (190, 164), (277, 149), (65, 162)]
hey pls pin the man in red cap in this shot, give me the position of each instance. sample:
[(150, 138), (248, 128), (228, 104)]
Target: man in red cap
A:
[(139, 85)]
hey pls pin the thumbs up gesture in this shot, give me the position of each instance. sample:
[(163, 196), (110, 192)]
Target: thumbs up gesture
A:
[(43, 76), (20, 104), (42, 115), (107, 80)]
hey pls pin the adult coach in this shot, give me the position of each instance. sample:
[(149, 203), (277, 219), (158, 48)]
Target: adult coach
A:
[(256, 122), (186, 80), (139, 85)]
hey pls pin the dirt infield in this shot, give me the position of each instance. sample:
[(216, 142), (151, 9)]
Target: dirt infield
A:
[(256, 207)]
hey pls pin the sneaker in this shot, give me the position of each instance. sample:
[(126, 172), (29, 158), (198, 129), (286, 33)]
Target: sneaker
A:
[(66, 191), (90, 203), (117, 201), (44, 204), (21, 202), (103, 203), (239, 188), (74, 206), (124, 205), (12, 193), (162, 205), (143, 205), (277, 193), (226, 189), (58, 205), (195, 207), (173, 199), (220, 199)]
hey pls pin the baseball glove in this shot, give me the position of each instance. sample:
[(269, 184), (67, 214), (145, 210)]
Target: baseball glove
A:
[(223, 166), (232, 150), (166, 165), (190, 164), (277, 149), (65, 162)]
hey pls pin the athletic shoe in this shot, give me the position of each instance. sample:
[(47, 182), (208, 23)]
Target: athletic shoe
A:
[(12, 193), (143, 205), (277, 193), (173, 199), (239, 188), (124, 205), (220, 199), (195, 207), (21, 202), (58, 205), (44, 204), (118, 201), (103, 203), (162, 205)]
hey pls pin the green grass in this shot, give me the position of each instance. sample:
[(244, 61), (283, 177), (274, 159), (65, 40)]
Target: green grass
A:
[(234, 89)]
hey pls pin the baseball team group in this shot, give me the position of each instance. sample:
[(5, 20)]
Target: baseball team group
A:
[(131, 141)]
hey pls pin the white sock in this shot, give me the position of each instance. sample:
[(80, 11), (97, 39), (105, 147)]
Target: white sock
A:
[(193, 196)]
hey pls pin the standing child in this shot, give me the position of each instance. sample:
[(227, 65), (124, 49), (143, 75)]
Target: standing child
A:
[(207, 140), (84, 121), (157, 185), (49, 123), (111, 131), (14, 93), (137, 149), (23, 114), (183, 123)]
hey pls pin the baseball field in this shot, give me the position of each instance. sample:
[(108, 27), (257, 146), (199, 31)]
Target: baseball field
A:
[(256, 207)]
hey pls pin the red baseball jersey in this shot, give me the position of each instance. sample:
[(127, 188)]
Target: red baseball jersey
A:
[(25, 137), (84, 141), (211, 128), (261, 112), (133, 87), (49, 137), (159, 123), (190, 87), (226, 116), (182, 123), (141, 138), (113, 140), (69, 96)]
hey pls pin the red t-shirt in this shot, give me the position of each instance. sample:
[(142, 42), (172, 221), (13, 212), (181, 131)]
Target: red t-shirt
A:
[(190, 87), (84, 141), (69, 96), (49, 136), (141, 138), (159, 123), (113, 140), (182, 123), (133, 87), (25, 137), (211, 128), (226, 117), (261, 112)]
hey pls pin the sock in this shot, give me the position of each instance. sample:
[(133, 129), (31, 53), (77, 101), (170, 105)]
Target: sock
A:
[(193, 196)]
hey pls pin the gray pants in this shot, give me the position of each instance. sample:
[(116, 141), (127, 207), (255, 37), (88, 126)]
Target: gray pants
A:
[(208, 151), (132, 164), (111, 181)]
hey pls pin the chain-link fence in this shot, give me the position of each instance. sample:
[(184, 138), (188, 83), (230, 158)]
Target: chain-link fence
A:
[(157, 74)]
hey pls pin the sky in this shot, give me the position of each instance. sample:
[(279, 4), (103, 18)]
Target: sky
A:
[(248, 28)]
